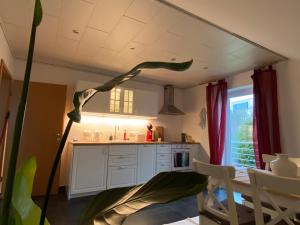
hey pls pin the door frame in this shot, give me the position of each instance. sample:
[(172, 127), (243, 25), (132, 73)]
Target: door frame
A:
[(4, 72)]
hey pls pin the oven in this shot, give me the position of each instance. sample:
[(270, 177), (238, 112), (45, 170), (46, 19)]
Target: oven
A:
[(181, 157)]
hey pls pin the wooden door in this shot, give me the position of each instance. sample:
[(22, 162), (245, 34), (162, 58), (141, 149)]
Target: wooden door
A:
[(43, 124), (5, 90)]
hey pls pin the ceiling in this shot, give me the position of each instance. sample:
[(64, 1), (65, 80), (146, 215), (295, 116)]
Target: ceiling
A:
[(271, 23), (112, 36)]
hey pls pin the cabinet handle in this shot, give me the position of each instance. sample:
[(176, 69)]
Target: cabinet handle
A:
[(162, 164), (121, 168)]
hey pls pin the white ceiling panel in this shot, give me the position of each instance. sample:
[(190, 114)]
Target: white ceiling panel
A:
[(138, 12), (19, 13), (90, 42), (108, 13), (115, 35), (74, 18), (125, 31), (52, 7)]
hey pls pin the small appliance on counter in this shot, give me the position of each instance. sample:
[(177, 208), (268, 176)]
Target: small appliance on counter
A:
[(149, 132)]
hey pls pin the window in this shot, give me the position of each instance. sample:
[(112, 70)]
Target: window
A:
[(116, 105), (115, 97), (239, 149), (128, 101)]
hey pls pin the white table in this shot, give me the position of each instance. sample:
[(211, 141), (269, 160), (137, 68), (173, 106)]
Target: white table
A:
[(241, 184)]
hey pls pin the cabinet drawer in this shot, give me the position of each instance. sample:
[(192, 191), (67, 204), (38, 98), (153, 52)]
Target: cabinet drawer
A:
[(164, 149), (163, 167), (121, 160), (123, 150), (121, 176), (163, 157)]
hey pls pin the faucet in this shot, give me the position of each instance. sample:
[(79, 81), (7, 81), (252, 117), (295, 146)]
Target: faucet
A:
[(115, 134)]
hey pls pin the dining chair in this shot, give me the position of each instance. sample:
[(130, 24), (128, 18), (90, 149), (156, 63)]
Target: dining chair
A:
[(223, 212), (264, 187)]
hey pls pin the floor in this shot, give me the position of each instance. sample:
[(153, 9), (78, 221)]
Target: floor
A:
[(63, 212)]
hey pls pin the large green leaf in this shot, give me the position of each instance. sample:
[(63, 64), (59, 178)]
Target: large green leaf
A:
[(82, 97), (26, 209), (113, 206)]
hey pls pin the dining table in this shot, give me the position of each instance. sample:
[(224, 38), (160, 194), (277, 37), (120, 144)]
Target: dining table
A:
[(241, 184)]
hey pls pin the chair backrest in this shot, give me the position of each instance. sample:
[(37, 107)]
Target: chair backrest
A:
[(218, 175), (266, 186)]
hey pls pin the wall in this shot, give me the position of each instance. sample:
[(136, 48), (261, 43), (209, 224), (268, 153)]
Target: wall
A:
[(5, 53), (61, 75), (288, 77)]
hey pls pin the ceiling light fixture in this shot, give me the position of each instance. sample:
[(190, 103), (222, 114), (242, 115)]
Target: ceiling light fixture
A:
[(205, 67), (75, 31), (132, 48), (173, 59)]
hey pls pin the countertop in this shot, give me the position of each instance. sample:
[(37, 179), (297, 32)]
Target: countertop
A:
[(129, 143)]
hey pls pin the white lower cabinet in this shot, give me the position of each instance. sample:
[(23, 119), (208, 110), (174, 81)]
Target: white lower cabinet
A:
[(88, 169), (121, 176), (96, 168), (122, 166), (146, 163)]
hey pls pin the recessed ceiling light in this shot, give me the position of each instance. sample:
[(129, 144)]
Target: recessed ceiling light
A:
[(205, 67), (132, 48), (75, 31), (173, 59)]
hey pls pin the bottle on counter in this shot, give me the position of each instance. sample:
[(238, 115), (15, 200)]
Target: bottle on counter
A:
[(124, 136)]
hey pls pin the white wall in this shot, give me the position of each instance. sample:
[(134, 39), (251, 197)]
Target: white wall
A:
[(288, 77), (5, 53)]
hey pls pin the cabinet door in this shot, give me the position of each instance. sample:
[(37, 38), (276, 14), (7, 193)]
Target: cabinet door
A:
[(146, 163), (145, 103), (99, 103), (121, 176), (89, 169)]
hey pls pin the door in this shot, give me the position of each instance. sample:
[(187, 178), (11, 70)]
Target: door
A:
[(43, 124), (121, 176), (5, 90), (146, 163), (89, 169)]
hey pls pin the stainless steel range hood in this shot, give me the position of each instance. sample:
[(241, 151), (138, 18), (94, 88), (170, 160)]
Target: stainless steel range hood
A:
[(169, 108)]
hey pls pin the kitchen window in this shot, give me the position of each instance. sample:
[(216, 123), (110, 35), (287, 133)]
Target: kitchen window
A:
[(115, 100), (239, 150)]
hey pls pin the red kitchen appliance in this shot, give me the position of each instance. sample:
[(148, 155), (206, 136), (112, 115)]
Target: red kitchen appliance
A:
[(149, 132)]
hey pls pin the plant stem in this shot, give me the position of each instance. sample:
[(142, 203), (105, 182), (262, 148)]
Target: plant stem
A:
[(53, 170), (6, 205)]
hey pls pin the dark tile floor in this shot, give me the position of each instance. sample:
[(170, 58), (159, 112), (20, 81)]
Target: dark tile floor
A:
[(64, 212)]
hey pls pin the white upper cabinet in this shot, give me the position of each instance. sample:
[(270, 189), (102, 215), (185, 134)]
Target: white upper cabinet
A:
[(99, 103), (145, 103), (121, 100)]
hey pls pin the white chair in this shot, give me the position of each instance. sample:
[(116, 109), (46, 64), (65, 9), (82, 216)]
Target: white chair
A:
[(265, 186), (209, 205)]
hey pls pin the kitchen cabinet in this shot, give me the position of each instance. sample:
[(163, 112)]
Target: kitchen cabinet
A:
[(99, 103), (164, 158), (145, 102), (146, 163), (88, 169), (98, 167), (122, 166)]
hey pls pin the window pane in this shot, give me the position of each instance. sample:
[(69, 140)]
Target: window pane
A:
[(125, 107)]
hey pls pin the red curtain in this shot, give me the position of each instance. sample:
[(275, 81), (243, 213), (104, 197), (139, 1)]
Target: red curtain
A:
[(266, 136), (216, 95)]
